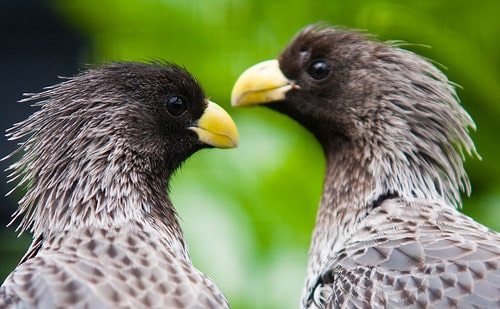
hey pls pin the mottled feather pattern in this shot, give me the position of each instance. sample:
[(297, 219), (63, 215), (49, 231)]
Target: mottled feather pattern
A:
[(418, 255), (130, 267)]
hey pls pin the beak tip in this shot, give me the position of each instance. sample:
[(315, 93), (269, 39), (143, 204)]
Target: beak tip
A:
[(237, 101), (217, 128), (261, 83)]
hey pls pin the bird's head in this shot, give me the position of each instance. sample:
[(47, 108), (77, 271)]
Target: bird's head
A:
[(155, 108), (392, 108), (110, 132), (324, 79)]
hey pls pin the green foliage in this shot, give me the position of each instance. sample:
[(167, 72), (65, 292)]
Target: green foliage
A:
[(248, 213)]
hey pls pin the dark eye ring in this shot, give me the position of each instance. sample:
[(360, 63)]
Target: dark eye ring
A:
[(319, 70), (175, 105)]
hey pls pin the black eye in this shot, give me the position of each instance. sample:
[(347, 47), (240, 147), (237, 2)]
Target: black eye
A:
[(175, 105), (319, 69)]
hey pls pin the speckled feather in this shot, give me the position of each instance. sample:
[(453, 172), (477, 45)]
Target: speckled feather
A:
[(97, 160), (129, 267), (420, 255), (388, 232)]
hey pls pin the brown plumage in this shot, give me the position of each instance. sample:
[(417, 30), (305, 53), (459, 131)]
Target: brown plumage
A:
[(98, 158), (387, 233)]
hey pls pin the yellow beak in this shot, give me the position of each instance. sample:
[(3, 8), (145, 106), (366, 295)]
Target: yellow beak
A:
[(261, 83), (216, 128)]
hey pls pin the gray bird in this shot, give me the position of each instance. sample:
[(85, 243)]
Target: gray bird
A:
[(388, 232), (98, 156)]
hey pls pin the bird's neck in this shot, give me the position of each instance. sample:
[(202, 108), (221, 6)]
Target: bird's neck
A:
[(107, 189), (348, 191), (357, 179)]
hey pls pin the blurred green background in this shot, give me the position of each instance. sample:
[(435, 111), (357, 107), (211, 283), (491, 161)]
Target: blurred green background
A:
[(248, 213)]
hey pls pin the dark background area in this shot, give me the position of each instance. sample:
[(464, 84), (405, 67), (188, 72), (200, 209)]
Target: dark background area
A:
[(247, 213), (36, 46)]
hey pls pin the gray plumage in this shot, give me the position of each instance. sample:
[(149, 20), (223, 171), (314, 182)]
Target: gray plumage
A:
[(388, 232), (98, 158)]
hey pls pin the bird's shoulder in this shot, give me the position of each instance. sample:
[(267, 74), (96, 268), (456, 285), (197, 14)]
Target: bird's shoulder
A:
[(109, 269), (417, 253)]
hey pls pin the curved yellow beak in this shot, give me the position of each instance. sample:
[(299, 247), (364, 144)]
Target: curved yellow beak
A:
[(216, 128), (261, 83)]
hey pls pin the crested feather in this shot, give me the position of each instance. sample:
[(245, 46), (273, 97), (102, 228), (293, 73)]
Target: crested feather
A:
[(434, 125)]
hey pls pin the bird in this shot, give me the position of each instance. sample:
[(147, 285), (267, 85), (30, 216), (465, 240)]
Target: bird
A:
[(388, 232), (95, 161)]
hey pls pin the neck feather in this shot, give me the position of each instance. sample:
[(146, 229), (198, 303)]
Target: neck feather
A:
[(94, 189), (79, 171), (358, 176)]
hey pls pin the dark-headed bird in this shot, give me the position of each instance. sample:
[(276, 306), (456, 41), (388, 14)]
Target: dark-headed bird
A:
[(388, 232), (98, 156)]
